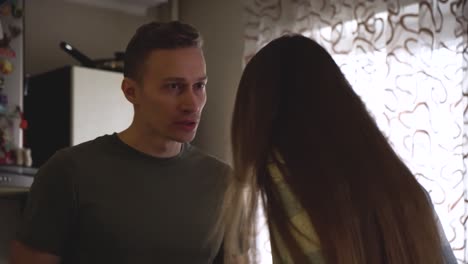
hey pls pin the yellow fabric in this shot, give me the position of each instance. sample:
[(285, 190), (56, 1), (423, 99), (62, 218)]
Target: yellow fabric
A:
[(301, 226)]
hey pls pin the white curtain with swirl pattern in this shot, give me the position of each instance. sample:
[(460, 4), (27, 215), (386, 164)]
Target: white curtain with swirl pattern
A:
[(408, 62)]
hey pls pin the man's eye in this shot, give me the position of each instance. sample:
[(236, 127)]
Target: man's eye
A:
[(173, 86), (200, 85)]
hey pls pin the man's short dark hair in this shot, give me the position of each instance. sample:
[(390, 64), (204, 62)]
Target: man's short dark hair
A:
[(155, 35)]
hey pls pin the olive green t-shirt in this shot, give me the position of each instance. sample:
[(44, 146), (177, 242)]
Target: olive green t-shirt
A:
[(105, 202)]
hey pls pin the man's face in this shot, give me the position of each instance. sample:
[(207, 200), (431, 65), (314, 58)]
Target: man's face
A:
[(171, 94)]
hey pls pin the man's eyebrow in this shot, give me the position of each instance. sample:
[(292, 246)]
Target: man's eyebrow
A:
[(174, 79), (180, 79)]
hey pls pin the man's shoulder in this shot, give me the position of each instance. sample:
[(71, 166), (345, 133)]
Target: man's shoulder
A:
[(86, 147), (206, 159), (78, 154)]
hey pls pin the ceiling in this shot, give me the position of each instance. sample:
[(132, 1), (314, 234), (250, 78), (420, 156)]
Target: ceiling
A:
[(135, 7)]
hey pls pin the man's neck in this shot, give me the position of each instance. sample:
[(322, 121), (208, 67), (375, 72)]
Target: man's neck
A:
[(149, 144)]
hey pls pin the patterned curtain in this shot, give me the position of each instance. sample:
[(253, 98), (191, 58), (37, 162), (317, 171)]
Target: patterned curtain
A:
[(408, 62)]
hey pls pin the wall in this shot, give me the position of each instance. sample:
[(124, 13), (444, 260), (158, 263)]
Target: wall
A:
[(96, 32), (221, 24)]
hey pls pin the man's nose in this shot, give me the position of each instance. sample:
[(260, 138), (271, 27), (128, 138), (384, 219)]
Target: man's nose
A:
[(191, 103)]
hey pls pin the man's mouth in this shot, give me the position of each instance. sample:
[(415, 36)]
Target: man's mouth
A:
[(187, 125)]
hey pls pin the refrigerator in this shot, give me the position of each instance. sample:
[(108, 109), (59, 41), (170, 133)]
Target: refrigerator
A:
[(71, 105)]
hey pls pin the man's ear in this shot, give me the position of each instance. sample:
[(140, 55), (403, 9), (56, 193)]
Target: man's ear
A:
[(129, 88)]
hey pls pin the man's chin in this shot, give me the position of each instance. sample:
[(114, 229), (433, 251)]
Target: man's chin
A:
[(184, 138)]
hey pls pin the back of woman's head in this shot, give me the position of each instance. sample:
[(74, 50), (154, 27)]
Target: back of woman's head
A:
[(293, 92), (362, 200)]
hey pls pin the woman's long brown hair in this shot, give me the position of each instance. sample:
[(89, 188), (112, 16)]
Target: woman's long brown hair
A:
[(363, 201)]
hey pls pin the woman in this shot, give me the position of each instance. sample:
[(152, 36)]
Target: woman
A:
[(332, 188)]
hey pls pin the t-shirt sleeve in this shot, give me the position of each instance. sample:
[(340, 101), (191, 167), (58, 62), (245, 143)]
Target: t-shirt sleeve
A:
[(51, 210)]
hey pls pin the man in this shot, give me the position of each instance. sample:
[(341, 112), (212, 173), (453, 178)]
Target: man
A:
[(144, 195)]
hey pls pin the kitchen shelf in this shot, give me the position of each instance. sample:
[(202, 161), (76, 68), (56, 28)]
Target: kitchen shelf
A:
[(15, 180)]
